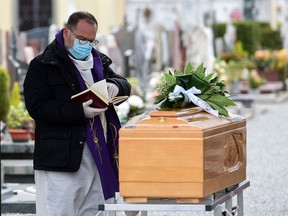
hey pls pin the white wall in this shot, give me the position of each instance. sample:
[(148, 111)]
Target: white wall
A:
[(6, 15), (108, 13)]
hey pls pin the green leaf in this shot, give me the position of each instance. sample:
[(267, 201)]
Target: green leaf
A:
[(210, 90), (221, 85), (188, 68), (199, 83), (221, 100), (178, 73), (169, 78), (184, 81), (209, 77), (200, 71), (221, 109)]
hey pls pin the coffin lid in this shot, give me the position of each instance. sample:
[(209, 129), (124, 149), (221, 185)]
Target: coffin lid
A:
[(193, 117)]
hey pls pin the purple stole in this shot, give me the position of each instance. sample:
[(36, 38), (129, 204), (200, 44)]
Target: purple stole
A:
[(104, 158)]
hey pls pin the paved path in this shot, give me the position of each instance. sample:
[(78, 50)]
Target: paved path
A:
[(267, 159)]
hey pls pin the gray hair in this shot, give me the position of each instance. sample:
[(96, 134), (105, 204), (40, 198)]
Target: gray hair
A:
[(80, 15)]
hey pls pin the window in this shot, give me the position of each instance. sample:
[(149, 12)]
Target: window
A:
[(34, 14)]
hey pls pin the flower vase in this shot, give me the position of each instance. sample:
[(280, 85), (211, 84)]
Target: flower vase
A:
[(269, 75), (19, 135)]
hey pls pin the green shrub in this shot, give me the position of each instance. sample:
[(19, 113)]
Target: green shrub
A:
[(15, 94), (219, 30), (18, 115), (253, 35), (4, 93), (248, 32), (271, 39), (264, 25)]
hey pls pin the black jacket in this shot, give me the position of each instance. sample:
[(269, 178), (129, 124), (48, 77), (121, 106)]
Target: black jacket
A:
[(50, 82)]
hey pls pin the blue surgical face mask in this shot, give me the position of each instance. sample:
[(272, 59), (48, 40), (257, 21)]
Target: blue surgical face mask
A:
[(80, 51)]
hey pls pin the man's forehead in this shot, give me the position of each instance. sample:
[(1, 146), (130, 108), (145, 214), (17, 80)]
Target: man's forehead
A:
[(83, 25)]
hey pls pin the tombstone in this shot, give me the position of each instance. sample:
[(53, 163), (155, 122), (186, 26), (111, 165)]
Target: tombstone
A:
[(199, 47), (229, 37), (21, 43), (219, 46), (20, 67), (125, 39), (109, 46)]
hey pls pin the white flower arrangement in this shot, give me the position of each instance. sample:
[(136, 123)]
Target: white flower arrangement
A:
[(136, 102), (220, 67), (133, 106)]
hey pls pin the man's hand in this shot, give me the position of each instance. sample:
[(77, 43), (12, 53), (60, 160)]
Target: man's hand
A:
[(90, 112), (112, 89)]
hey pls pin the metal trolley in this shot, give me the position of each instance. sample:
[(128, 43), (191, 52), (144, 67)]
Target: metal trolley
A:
[(220, 202)]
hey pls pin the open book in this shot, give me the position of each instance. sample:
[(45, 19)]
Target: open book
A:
[(99, 94)]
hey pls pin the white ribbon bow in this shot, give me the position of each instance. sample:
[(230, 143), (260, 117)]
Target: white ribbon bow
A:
[(189, 96)]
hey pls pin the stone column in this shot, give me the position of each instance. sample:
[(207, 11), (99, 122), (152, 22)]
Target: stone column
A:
[(273, 14)]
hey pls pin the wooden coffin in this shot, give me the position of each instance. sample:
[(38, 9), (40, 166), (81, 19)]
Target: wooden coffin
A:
[(186, 153)]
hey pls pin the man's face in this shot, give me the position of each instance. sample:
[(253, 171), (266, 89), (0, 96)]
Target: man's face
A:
[(83, 31)]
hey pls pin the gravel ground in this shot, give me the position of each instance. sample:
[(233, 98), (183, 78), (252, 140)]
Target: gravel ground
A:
[(267, 152), (267, 162)]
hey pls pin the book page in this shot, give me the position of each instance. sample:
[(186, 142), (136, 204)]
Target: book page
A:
[(118, 99), (101, 87)]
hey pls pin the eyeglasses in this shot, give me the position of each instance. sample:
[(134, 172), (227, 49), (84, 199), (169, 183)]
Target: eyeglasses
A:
[(84, 41)]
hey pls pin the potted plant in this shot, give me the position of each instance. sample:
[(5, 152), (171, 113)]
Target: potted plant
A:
[(18, 119), (263, 60)]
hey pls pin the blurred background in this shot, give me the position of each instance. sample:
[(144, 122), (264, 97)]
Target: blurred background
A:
[(245, 42)]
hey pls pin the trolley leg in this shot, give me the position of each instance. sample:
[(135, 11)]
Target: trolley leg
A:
[(228, 205), (240, 203), (99, 213), (218, 211)]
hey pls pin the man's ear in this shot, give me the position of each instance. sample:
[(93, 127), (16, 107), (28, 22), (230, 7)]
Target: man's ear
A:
[(66, 33)]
